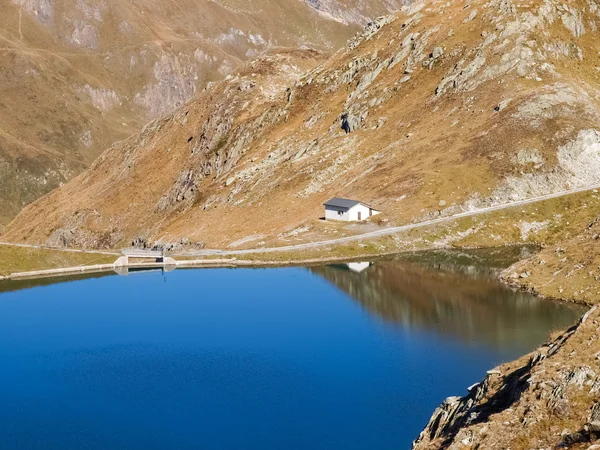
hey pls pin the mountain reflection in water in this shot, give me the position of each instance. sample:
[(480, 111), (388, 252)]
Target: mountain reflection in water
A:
[(462, 302)]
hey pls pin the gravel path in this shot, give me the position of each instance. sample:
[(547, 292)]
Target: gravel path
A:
[(358, 237), (390, 230)]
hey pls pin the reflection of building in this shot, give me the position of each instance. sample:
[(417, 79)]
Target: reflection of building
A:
[(358, 267), (470, 305)]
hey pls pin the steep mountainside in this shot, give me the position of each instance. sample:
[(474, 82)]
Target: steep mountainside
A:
[(77, 75), (443, 107)]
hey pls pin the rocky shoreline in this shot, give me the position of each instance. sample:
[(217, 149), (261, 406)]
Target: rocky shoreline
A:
[(506, 278), (548, 399)]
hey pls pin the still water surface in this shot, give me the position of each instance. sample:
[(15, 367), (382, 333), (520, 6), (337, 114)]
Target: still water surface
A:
[(320, 358)]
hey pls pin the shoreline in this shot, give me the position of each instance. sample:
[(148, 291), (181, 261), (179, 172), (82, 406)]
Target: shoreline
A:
[(215, 263), (233, 262), (507, 408), (448, 421), (183, 264), (533, 291)]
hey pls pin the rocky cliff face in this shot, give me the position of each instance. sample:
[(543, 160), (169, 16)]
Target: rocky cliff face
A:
[(546, 400), (440, 108), (78, 75)]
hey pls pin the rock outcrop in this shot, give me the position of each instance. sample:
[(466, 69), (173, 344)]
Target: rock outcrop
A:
[(549, 399)]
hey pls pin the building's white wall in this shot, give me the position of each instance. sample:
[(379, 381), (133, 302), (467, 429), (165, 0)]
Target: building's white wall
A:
[(364, 212), (332, 213)]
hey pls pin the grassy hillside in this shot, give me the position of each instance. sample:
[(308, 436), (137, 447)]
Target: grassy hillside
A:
[(78, 75), (18, 259), (442, 108)]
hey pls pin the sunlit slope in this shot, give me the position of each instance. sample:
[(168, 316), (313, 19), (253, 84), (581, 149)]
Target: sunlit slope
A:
[(78, 75), (440, 108)]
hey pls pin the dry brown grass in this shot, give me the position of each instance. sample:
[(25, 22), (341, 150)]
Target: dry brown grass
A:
[(428, 150), (18, 259), (43, 113)]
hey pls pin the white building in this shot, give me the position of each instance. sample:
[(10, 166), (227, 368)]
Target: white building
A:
[(348, 210)]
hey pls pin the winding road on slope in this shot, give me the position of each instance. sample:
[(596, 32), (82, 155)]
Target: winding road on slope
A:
[(390, 230), (358, 237)]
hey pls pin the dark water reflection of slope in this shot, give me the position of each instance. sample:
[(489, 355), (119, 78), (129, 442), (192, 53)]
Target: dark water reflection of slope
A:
[(461, 301)]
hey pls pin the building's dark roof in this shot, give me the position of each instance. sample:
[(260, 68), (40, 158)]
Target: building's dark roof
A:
[(344, 203), (341, 203)]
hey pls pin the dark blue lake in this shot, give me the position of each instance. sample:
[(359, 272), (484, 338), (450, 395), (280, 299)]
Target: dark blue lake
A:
[(321, 358)]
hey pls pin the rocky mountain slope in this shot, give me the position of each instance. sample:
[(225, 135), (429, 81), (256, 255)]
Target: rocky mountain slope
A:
[(78, 75), (443, 107), (545, 400)]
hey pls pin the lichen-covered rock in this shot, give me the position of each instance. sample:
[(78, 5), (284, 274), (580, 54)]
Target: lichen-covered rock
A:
[(184, 189)]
